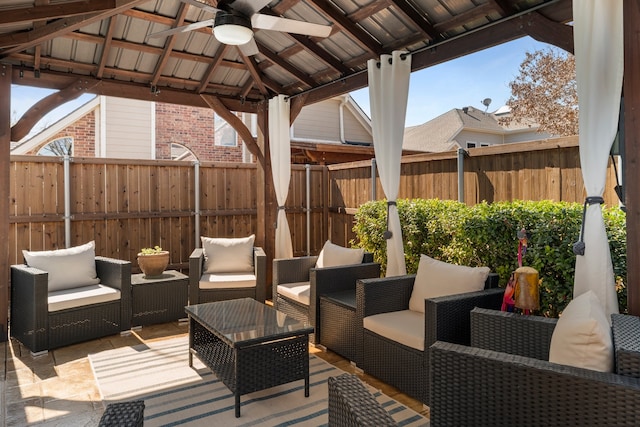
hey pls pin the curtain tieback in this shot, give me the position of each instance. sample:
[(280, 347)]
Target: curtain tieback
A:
[(387, 234), (579, 246)]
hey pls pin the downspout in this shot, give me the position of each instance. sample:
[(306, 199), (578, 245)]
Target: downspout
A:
[(342, 104), (462, 153), (196, 208), (67, 201)]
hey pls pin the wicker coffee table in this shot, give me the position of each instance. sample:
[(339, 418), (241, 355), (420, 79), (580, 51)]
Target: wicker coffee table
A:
[(248, 345)]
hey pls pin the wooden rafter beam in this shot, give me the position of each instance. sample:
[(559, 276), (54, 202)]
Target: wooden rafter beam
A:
[(546, 31), (17, 42), (289, 68), (220, 109), (168, 46), (418, 19), (369, 10), (47, 104), (361, 36), (106, 47), (252, 67), (217, 59), (466, 17), (54, 11), (132, 90)]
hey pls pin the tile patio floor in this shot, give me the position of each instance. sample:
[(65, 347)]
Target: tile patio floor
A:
[(58, 389)]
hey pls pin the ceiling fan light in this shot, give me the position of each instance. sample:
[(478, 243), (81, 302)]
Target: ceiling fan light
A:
[(232, 29)]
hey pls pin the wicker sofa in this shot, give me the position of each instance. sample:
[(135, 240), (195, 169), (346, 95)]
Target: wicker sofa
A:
[(39, 329), (504, 377), (446, 318), (199, 294), (321, 281), (351, 404)]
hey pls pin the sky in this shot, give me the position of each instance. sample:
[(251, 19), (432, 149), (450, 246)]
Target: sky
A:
[(433, 91)]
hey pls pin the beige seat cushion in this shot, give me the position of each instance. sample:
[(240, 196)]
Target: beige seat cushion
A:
[(227, 280), (333, 255), (78, 297), (297, 291), (66, 268), (436, 278), (582, 337), (405, 327), (228, 255)]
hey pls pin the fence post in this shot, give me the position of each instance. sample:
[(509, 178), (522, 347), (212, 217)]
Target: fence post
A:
[(373, 178), (307, 168), (461, 155), (67, 201), (196, 201)]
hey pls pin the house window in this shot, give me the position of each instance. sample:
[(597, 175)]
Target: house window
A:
[(477, 144), (180, 152), (58, 147), (225, 134)]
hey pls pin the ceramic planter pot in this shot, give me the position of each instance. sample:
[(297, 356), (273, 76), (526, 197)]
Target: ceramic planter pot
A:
[(153, 265)]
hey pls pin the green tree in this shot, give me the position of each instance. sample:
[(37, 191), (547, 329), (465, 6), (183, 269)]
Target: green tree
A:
[(545, 92)]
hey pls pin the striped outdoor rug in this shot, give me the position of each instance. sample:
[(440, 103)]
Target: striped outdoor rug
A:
[(175, 394)]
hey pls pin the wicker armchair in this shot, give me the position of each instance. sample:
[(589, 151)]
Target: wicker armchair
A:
[(351, 404), (504, 377), (321, 281), (40, 330), (199, 294), (445, 318)]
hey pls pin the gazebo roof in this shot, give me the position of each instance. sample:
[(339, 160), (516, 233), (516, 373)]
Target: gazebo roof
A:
[(103, 47)]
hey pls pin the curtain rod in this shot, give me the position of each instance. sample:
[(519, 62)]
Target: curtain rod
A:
[(433, 45)]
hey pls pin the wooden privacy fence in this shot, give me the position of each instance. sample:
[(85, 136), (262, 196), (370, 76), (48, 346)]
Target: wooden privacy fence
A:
[(539, 170), (125, 205)]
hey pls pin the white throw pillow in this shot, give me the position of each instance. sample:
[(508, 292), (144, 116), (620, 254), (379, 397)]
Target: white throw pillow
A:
[(67, 268), (228, 255), (333, 255), (582, 337), (436, 278)]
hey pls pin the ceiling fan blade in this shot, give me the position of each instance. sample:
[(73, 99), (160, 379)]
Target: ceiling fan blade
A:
[(183, 29), (201, 5), (267, 22), (250, 48), (249, 7)]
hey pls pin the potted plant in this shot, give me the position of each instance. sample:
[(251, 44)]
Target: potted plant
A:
[(153, 261)]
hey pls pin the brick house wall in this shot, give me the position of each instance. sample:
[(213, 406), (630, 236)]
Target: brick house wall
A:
[(83, 132), (193, 128)]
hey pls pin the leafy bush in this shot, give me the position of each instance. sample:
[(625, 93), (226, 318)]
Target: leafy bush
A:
[(487, 234)]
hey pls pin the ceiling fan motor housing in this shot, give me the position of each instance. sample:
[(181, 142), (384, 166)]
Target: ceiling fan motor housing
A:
[(232, 28)]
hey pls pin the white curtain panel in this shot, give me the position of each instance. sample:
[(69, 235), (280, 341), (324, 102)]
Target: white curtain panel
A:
[(599, 51), (280, 150), (388, 93)]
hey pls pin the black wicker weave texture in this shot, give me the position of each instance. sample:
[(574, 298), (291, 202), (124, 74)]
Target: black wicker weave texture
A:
[(351, 404), (339, 324), (123, 414), (479, 387), (158, 300)]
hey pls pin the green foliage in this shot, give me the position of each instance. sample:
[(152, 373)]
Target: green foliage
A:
[(151, 251), (487, 234)]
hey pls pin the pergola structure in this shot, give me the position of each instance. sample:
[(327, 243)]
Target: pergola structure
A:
[(102, 47)]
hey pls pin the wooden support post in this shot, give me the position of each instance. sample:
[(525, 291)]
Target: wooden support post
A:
[(631, 180), (5, 164), (266, 196)]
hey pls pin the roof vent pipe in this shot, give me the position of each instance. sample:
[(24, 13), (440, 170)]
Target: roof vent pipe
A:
[(465, 110)]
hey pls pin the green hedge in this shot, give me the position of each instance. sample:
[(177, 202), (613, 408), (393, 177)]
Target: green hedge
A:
[(486, 234)]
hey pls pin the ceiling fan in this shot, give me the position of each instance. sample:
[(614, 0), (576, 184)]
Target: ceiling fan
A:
[(235, 20)]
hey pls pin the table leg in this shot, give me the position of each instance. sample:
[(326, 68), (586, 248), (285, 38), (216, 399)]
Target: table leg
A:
[(306, 373), (237, 404)]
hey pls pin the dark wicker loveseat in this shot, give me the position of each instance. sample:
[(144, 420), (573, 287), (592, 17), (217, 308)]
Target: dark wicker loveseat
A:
[(446, 319), (504, 378), (40, 330), (322, 281)]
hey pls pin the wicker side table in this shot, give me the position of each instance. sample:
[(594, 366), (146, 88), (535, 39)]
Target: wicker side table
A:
[(158, 300), (338, 323)]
